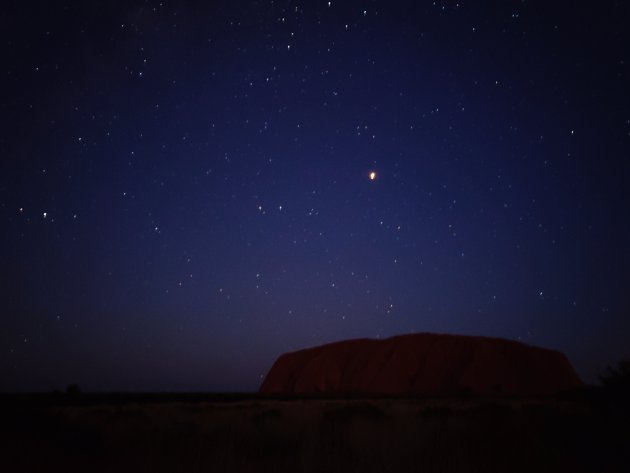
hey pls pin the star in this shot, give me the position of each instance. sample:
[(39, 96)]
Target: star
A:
[(372, 175)]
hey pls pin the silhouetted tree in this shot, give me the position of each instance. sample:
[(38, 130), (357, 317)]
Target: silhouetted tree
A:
[(617, 379)]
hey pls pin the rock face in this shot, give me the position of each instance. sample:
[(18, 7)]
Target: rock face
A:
[(422, 364)]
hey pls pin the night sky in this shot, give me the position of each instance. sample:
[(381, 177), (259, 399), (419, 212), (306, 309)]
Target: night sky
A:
[(186, 188)]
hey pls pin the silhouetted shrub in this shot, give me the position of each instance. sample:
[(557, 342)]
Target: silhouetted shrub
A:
[(617, 379), (615, 397), (73, 390)]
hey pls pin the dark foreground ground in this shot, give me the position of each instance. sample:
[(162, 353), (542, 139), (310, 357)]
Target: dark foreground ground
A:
[(195, 433)]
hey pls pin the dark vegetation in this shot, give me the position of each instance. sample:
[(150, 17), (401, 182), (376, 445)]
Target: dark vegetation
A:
[(581, 431), (616, 381)]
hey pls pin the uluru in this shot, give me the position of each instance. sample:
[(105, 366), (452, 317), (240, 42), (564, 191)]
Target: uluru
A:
[(422, 364)]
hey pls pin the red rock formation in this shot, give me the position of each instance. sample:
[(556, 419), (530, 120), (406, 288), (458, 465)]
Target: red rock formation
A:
[(422, 364)]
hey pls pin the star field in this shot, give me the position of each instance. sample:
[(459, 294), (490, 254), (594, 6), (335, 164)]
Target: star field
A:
[(189, 189)]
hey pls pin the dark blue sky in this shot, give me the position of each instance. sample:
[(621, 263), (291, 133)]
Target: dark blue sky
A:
[(185, 191)]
